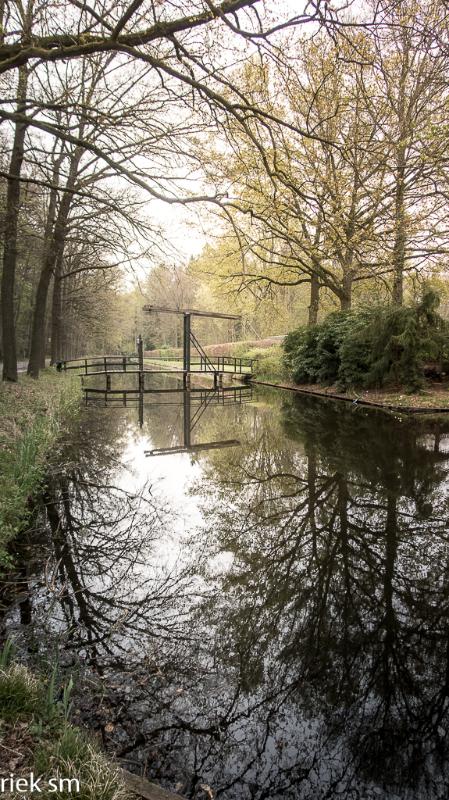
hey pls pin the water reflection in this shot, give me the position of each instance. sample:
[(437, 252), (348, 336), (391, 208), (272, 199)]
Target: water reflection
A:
[(297, 646), (340, 579), (97, 588), (194, 405)]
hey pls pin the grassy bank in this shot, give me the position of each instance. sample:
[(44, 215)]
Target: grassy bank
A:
[(33, 415), (37, 737)]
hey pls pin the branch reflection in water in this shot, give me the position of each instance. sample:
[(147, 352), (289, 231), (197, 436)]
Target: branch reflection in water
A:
[(337, 598), (296, 646), (106, 587)]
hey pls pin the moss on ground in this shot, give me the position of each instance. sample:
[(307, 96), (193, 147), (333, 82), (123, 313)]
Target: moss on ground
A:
[(33, 416)]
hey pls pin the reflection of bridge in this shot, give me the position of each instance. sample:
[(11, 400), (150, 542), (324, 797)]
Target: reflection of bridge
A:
[(194, 403), (198, 405), (226, 395)]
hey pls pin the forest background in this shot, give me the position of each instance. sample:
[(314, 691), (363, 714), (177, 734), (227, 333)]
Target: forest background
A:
[(267, 159)]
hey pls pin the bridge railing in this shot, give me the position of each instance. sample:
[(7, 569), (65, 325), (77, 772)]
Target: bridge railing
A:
[(114, 363), (234, 364), (118, 363)]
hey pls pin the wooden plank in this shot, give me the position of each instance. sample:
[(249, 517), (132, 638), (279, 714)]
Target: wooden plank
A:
[(143, 788), (194, 312)]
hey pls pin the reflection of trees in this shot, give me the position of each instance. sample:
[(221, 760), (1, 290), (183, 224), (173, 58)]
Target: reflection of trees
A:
[(317, 664), (102, 588), (339, 585)]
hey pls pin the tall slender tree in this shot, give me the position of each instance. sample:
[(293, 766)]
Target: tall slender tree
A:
[(12, 208)]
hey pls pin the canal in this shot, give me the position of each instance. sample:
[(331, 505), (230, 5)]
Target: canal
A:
[(252, 592)]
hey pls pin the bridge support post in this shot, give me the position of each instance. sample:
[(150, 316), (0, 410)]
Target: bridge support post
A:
[(187, 428), (186, 350), (186, 342), (140, 356)]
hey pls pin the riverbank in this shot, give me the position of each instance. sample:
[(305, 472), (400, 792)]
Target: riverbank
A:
[(434, 398), (42, 752), (33, 416), (38, 743)]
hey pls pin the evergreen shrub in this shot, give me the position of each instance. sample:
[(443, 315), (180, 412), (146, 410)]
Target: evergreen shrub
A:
[(370, 348)]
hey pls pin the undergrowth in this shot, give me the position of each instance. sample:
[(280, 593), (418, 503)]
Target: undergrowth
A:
[(371, 347), (33, 415), (36, 736), (269, 364)]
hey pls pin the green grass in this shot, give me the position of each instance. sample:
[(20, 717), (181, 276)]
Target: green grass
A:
[(53, 747), (35, 725), (33, 415), (18, 693)]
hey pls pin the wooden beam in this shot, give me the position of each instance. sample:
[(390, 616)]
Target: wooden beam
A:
[(143, 788), (194, 312), (193, 448)]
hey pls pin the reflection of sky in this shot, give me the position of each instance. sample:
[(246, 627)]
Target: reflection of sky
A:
[(170, 477), (255, 628)]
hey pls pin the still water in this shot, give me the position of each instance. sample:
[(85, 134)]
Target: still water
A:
[(253, 592)]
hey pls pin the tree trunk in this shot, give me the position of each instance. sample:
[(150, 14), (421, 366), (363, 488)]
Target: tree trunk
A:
[(37, 349), (46, 338), (345, 296), (400, 236), (56, 315), (404, 131), (314, 299), (64, 331), (10, 236), (52, 255)]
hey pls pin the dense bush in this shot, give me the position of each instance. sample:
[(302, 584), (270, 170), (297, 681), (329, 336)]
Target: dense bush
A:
[(269, 362), (370, 347)]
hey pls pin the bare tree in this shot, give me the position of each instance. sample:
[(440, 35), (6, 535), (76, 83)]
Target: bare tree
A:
[(172, 47), (23, 18), (411, 76)]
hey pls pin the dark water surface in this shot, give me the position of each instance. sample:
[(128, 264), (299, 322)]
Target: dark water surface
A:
[(268, 619)]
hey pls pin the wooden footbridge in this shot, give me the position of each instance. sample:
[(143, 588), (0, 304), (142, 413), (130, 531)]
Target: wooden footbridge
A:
[(199, 363)]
